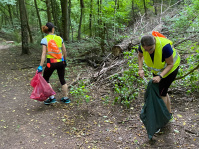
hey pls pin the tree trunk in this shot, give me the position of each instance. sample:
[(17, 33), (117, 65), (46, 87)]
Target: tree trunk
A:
[(80, 19), (65, 19), (70, 24), (4, 16), (99, 21), (67, 23), (90, 17), (145, 9), (48, 10), (115, 11), (55, 12), (10, 13), (24, 28), (29, 31), (155, 7), (127, 44), (101, 26), (133, 12), (69, 18), (39, 18)]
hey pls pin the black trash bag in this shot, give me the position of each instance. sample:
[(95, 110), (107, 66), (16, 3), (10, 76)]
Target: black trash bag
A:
[(154, 113)]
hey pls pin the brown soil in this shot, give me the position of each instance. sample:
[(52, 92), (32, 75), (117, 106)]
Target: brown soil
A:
[(29, 124)]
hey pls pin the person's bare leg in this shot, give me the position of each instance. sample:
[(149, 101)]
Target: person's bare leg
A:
[(65, 90), (52, 96), (167, 103)]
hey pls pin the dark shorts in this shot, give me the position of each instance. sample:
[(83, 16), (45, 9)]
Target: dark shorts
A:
[(60, 67), (166, 82)]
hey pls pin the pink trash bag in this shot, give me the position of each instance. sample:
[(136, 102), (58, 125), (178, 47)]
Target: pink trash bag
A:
[(42, 89)]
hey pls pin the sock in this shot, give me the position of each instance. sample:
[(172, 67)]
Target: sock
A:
[(66, 98), (51, 97)]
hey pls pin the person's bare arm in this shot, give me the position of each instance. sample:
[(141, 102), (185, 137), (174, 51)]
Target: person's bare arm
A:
[(140, 60), (169, 66), (43, 56), (64, 51), (140, 64)]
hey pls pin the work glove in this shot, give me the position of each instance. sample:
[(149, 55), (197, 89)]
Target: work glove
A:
[(39, 69), (65, 63)]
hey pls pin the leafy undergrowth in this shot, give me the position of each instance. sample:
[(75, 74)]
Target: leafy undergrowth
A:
[(96, 123)]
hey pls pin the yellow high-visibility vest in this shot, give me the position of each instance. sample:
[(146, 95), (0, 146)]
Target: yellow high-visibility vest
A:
[(58, 41), (157, 66)]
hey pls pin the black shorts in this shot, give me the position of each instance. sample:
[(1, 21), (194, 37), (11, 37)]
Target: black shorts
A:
[(166, 82), (60, 67)]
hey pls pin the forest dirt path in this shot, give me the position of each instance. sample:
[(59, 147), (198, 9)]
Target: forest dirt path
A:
[(27, 124)]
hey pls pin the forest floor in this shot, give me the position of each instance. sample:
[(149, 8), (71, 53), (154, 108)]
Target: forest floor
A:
[(29, 124)]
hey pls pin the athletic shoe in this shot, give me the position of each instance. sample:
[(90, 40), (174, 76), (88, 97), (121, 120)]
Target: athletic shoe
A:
[(157, 131), (49, 101), (172, 118), (65, 100)]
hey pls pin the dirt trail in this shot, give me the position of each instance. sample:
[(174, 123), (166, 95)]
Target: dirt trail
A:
[(27, 124)]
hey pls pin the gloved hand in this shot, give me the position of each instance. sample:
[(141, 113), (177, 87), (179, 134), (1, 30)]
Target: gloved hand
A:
[(65, 63), (39, 69)]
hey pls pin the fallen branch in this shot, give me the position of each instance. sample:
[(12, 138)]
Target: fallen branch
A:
[(75, 81), (171, 6), (127, 44), (98, 76), (190, 37), (188, 73), (189, 131)]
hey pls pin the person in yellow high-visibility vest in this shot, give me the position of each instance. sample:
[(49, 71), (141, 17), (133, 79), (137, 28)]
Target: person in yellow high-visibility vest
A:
[(56, 60), (163, 60)]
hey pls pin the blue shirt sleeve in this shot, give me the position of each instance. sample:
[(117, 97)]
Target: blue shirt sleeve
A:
[(167, 51), (44, 42), (139, 49)]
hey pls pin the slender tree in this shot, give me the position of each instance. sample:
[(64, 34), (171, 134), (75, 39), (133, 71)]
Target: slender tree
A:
[(90, 17), (155, 6), (69, 14), (48, 10), (10, 13), (102, 26), (65, 19), (80, 19), (133, 10), (5, 17), (24, 27), (56, 11), (115, 12), (145, 8), (38, 16), (29, 30)]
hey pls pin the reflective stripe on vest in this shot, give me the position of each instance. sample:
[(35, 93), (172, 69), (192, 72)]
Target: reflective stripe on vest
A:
[(157, 66), (160, 70), (57, 40)]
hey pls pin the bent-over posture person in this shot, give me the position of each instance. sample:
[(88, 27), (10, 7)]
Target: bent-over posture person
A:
[(163, 60)]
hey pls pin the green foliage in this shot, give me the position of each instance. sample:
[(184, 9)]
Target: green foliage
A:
[(186, 22), (187, 19), (80, 93), (127, 85), (190, 81), (8, 2), (106, 99)]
